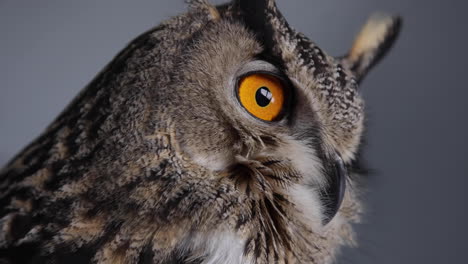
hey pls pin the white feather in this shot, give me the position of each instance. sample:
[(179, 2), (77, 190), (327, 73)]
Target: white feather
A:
[(217, 247)]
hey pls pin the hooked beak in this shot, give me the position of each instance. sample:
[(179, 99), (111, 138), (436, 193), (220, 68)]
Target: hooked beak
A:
[(332, 196)]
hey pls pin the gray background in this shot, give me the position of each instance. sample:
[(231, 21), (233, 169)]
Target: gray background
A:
[(50, 49)]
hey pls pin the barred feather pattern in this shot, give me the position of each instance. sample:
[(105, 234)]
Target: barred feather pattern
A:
[(152, 164)]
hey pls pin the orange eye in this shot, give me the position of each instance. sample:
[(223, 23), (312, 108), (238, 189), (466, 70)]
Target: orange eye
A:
[(262, 95)]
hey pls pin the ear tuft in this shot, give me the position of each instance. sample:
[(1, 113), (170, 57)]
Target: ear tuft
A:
[(372, 43), (211, 10)]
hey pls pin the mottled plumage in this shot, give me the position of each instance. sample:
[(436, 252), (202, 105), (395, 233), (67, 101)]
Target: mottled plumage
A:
[(156, 161)]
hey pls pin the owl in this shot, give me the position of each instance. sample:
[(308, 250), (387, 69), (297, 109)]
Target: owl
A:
[(220, 136)]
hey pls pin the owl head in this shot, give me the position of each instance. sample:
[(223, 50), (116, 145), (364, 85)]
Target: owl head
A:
[(221, 136), (261, 105)]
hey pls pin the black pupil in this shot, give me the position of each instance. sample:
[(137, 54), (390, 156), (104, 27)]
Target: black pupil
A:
[(263, 96)]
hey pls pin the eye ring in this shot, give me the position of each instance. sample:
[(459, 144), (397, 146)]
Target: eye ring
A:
[(264, 95)]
